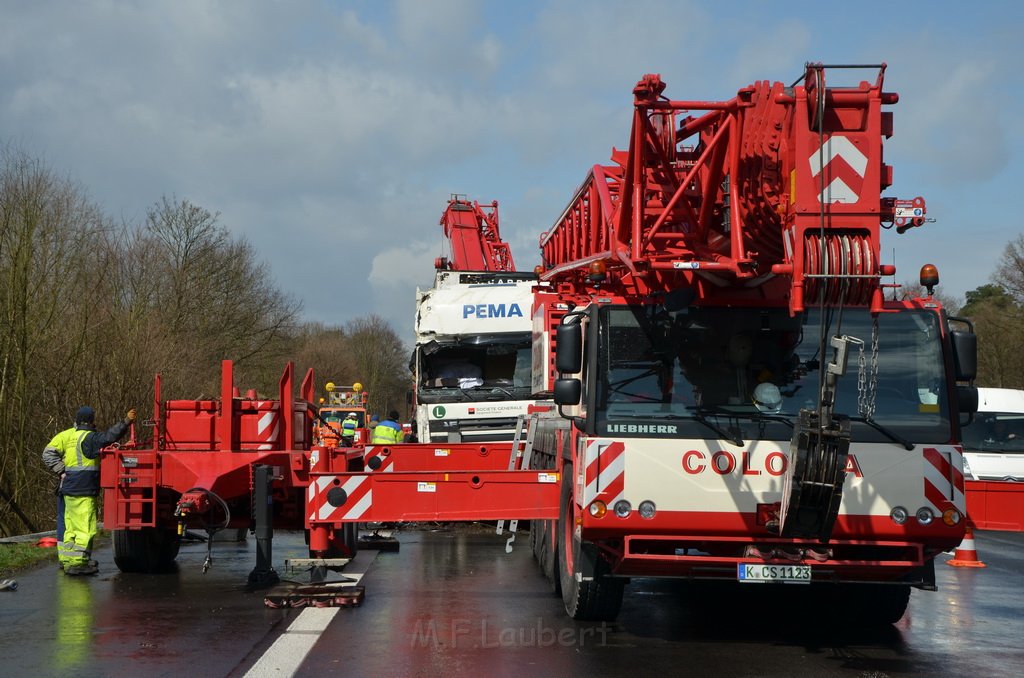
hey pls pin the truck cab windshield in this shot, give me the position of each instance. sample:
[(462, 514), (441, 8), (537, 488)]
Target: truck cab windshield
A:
[(486, 370)]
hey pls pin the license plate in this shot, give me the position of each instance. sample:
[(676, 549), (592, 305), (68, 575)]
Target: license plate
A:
[(760, 573)]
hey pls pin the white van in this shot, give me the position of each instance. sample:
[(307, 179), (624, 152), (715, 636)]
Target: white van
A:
[(994, 442)]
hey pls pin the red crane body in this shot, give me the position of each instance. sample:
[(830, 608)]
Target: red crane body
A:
[(472, 232), (774, 194)]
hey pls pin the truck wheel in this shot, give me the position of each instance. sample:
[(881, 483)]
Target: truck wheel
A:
[(149, 549), (874, 604), (543, 541), (589, 591)]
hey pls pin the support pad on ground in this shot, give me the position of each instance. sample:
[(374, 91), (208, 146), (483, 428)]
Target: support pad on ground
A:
[(334, 594)]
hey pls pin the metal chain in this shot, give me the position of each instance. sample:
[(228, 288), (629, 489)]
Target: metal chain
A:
[(867, 376), (873, 385), (863, 403)]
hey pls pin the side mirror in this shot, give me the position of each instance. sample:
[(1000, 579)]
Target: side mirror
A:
[(568, 391), (967, 399), (965, 355), (569, 349)]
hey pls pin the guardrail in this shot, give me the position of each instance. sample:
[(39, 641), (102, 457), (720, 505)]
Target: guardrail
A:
[(27, 538)]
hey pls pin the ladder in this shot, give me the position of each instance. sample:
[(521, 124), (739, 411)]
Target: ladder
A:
[(519, 459), (136, 488)]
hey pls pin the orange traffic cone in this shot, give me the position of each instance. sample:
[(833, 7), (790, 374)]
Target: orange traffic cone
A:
[(966, 555)]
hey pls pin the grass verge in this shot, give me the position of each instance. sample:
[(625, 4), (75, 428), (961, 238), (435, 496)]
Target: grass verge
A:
[(21, 556)]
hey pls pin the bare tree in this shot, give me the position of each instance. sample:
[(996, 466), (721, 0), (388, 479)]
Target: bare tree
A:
[(325, 350), (381, 358), (49, 279), (215, 298), (1009, 273), (910, 289)]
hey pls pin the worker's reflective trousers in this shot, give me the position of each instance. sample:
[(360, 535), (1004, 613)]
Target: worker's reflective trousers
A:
[(79, 531)]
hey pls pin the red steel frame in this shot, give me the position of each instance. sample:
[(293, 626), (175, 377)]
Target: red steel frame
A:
[(475, 240), (208, 445), (741, 204)]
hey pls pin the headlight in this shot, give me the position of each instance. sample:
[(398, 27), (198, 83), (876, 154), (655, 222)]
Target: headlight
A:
[(623, 508), (898, 515), (598, 509), (647, 509), (925, 515)]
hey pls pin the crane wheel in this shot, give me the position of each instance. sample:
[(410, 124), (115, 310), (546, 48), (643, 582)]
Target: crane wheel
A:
[(589, 591)]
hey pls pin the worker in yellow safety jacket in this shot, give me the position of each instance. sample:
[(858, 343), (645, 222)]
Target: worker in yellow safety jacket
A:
[(74, 454), (348, 429), (389, 431)]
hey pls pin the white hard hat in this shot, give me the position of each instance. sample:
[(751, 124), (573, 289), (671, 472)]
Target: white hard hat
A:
[(767, 397), (350, 415)]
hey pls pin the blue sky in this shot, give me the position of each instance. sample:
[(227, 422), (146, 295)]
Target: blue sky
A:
[(330, 134)]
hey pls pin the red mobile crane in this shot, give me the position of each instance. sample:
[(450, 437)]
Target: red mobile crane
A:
[(699, 286), (473, 234)]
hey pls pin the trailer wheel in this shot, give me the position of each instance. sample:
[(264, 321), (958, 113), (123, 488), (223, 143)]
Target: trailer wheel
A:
[(589, 591), (149, 549), (544, 536), (350, 539)]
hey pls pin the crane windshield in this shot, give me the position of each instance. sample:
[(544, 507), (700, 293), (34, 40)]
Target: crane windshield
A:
[(749, 372)]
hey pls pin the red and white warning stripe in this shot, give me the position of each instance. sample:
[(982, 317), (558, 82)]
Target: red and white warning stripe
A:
[(267, 427), (605, 471), (944, 477), (387, 461), (846, 167), (358, 501)]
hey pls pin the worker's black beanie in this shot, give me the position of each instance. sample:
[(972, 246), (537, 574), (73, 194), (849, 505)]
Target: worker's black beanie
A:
[(85, 415)]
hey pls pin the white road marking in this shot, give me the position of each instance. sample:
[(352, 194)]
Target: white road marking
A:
[(285, 656), (289, 651)]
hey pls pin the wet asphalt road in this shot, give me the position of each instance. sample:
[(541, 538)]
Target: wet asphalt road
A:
[(451, 602)]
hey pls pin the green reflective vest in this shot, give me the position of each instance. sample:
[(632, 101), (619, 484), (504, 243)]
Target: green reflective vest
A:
[(387, 433), (83, 473)]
